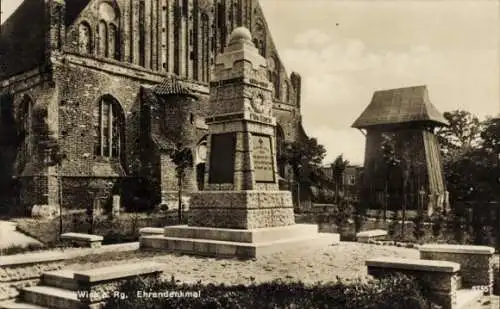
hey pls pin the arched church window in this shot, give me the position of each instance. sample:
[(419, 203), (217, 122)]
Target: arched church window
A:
[(286, 92), (109, 127), (114, 47), (84, 38), (260, 37), (109, 33), (103, 39), (274, 76), (205, 53)]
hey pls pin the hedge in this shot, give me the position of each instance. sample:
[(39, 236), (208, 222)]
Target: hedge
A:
[(394, 292)]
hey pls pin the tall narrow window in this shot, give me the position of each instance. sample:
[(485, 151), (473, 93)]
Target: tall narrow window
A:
[(108, 124), (221, 26), (84, 39), (114, 44), (109, 32), (205, 45), (276, 79), (177, 38), (142, 33), (103, 39), (260, 37)]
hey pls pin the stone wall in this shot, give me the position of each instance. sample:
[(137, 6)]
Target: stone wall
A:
[(476, 263), (80, 192), (18, 271)]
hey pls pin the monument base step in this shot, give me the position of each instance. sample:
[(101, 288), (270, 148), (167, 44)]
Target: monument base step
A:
[(239, 249), (260, 235), (468, 298), (51, 297)]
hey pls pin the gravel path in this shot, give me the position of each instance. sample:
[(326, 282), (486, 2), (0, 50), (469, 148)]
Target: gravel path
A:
[(346, 260), (9, 236)]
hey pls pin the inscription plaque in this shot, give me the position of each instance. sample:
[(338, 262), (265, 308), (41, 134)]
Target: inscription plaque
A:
[(222, 154), (263, 158)]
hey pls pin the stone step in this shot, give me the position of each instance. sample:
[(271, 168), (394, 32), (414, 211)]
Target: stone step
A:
[(467, 298), (60, 279), (238, 235), (52, 297), (19, 305), (208, 247)]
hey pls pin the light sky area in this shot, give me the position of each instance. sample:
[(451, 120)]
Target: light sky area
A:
[(346, 50)]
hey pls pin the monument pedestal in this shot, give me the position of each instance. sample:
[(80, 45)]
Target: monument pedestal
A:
[(242, 224), (248, 209)]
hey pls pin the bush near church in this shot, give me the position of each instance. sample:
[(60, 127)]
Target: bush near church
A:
[(391, 292)]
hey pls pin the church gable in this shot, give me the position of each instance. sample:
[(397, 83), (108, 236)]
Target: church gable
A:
[(22, 43), (181, 37)]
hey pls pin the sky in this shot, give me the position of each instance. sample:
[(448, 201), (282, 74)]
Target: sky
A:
[(346, 50)]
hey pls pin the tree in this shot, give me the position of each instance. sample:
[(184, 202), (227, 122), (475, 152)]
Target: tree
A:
[(470, 149), (338, 167), (183, 159), (462, 135), (471, 160), (490, 135), (304, 157), (48, 148)]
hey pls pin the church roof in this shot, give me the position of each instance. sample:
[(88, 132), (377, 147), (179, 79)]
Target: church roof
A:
[(399, 106)]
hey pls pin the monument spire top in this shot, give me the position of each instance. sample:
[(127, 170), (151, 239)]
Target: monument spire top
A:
[(240, 34)]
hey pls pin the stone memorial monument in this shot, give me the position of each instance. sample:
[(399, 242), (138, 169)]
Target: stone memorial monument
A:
[(242, 213)]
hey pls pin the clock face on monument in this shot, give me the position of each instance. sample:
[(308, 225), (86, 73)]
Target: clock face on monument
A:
[(258, 103)]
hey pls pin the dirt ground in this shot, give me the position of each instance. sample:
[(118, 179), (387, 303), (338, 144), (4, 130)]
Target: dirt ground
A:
[(346, 260)]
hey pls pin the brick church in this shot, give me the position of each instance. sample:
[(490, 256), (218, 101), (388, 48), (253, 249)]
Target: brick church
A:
[(122, 84)]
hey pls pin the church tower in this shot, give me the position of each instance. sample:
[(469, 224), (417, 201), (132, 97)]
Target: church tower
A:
[(403, 165)]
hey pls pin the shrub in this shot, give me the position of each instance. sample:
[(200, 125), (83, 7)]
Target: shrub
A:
[(387, 293), (343, 213), (438, 223), (391, 228), (418, 231), (17, 249)]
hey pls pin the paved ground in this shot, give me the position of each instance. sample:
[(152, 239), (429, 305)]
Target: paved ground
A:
[(491, 302), (346, 260), (9, 236)]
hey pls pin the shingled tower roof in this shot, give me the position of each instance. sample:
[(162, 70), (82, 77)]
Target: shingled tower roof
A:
[(400, 106), (172, 86)]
